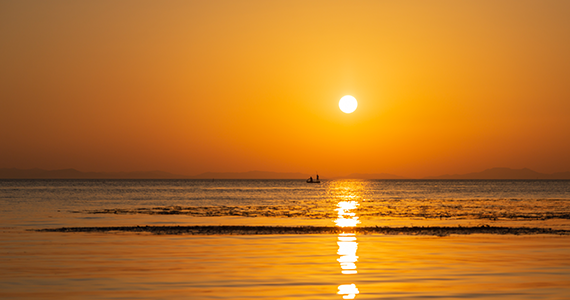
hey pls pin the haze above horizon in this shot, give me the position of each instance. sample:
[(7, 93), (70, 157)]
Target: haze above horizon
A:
[(188, 87)]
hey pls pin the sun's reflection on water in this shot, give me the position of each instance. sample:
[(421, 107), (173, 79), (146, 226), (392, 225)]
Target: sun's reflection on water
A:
[(346, 216), (347, 194), (348, 290), (347, 247)]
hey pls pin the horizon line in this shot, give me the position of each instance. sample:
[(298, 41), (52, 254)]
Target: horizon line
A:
[(71, 173)]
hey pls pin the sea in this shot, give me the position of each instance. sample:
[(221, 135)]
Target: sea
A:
[(133, 264)]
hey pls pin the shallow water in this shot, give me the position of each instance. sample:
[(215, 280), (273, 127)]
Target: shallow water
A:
[(129, 265), (56, 265), (54, 203)]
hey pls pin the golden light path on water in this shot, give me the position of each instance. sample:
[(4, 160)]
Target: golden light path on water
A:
[(347, 195)]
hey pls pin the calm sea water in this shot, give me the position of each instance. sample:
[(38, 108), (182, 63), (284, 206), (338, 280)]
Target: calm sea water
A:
[(381, 202), (132, 266)]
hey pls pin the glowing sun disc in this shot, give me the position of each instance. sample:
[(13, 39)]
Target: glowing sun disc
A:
[(347, 104)]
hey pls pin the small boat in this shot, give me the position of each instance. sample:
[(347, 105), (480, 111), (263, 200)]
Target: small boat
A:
[(311, 180)]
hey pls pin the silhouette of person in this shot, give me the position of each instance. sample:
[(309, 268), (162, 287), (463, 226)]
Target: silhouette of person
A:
[(311, 179), (317, 176)]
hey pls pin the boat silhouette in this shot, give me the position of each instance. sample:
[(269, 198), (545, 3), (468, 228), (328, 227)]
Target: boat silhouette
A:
[(311, 180)]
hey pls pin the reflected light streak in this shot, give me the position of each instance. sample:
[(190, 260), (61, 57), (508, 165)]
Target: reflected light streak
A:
[(348, 196), (348, 290), (347, 252), (346, 218), (346, 238), (347, 205), (346, 222)]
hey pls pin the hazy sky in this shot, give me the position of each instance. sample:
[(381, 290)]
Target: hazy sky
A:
[(195, 86)]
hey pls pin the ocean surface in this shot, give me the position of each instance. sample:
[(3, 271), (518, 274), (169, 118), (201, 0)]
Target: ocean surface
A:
[(129, 265)]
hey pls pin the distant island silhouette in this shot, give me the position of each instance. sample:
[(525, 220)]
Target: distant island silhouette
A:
[(505, 173), (251, 175), (494, 173), (14, 173)]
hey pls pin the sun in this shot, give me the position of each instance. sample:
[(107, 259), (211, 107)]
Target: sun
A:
[(347, 104)]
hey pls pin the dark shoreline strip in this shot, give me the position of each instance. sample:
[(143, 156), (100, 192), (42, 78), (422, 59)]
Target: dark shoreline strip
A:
[(266, 230)]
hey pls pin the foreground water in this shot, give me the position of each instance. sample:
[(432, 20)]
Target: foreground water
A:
[(83, 266), (322, 266)]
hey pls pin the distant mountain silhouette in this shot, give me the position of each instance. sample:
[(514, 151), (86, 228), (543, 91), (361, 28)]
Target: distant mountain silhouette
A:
[(370, 176), (505, 173), (13, 173), (251, 175)]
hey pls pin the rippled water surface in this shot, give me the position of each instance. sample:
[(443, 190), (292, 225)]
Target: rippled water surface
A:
[(342, 266), (95, 266), (384, 202)]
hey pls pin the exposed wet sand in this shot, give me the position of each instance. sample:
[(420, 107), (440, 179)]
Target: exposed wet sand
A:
[(275, 230)]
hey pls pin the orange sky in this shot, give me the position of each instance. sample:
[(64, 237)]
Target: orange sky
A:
[(230, 86)]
